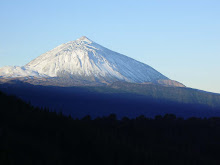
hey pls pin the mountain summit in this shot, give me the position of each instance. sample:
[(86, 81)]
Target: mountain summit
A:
[(84, 59)]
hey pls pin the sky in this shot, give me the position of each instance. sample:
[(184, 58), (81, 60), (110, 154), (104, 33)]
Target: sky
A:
[(179, 38)]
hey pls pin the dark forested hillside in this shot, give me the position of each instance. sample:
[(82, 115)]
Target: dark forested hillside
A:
[(35, 136), (178, 94), (129, 100)]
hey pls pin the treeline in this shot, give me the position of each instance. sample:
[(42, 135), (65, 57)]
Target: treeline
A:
[(34, 136)]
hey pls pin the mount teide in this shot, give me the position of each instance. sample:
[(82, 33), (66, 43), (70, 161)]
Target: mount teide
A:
[(107, 82), (84, 62)]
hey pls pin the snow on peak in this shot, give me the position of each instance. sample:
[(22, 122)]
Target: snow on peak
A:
[(88, 60), (84, 39)]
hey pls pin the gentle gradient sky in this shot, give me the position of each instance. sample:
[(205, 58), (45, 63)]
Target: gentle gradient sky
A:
[(179, 38)]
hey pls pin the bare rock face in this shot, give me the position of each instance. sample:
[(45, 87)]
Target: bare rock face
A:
[(170, 83)]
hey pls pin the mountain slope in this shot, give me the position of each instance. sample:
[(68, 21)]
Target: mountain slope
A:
[(123, 99), (16, 71), (85, 59)]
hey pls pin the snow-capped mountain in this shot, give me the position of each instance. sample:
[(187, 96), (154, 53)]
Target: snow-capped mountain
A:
[(85, 60)]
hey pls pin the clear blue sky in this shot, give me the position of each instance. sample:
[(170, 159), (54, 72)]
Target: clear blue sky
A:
[(179, 38)]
